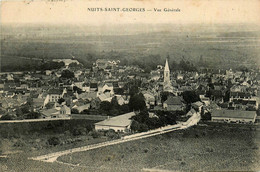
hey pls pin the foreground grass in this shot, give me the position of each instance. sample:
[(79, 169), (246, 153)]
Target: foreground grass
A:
[(207, 148), (212, 148)]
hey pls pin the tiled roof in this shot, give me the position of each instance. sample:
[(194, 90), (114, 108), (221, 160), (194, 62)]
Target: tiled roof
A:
[(233, 114), (174, 100), (55, 91), (120, 121)]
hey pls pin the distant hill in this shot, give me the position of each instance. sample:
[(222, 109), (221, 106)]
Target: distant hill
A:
[(253, 34), (219, 48)]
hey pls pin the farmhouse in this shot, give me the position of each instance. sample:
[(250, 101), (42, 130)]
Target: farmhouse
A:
[(53, 96), (173, 103), (236, 116), (197, 106), (119, 123)]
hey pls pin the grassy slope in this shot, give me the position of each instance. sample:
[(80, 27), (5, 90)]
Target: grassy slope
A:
[(212, 148), (219, 147)]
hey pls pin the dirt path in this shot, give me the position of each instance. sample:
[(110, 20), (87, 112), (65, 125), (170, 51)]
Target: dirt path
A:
[(52, 157)]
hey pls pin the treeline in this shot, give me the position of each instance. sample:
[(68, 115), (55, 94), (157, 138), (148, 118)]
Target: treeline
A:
[(143, 121), (22, 112), (31, 65), (146, 62), (45, 127)]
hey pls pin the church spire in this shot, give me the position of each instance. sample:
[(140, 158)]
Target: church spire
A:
[(166, 68), (166, 72)]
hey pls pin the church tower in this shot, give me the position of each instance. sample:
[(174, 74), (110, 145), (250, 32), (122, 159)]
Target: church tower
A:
[(166, 78)]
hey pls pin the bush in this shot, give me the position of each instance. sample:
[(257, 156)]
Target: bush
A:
[(54, 141), (78, 131), (209, 149), (112, 134), (8, 117), (95, 134), (89, 127), (33, 115), (74, 111), (19, 143)]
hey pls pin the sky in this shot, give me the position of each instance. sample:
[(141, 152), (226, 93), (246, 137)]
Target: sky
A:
[(76, 12)]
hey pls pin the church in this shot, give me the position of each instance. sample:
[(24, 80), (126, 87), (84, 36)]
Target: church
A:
[(167, 86)]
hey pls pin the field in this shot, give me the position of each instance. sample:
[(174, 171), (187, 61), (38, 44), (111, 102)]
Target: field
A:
[(212, 147), (219, 48), (201, 149), (34, 138)]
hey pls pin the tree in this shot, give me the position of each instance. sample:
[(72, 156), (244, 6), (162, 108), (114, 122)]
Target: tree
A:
[(74, 65), (8, 117), (49, 105), (114, 103), (133, 90), (54, 141), (137, 102), (67, 74), (25, 109), (142, 117), (143, 128), (164, 96), (77, 89), (124, 108), (74, 111), (135, 126), (105, 106), (227, 96), (61, 100), (206, 116), (190, 96), (33, 115), (19, 113)]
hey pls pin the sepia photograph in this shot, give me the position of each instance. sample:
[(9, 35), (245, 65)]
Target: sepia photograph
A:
[(128, 86)]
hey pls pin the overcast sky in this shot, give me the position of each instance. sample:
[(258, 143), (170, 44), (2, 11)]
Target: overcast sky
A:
[(76, 12)]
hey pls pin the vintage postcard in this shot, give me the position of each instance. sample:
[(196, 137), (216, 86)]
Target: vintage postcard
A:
[(135, 85)]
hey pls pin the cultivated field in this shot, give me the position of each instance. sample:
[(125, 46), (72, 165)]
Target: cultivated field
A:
[(200, 148), (222, 49)]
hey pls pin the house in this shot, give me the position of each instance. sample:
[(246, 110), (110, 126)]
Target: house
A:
[(191, 112), (173, 103), (38, 103), (108, 87), (105, 97), (149, 99), (233, 116), (102, 63), (53, 96), (239, 95), (155, 75), (50, 113), (119, 123), (65, 110), (78, 84), (180, 76), (66, 61), (120, 99), (244, 104), (93, 87), (197, 106), (86, 87), (82, 107), (95, 103)]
